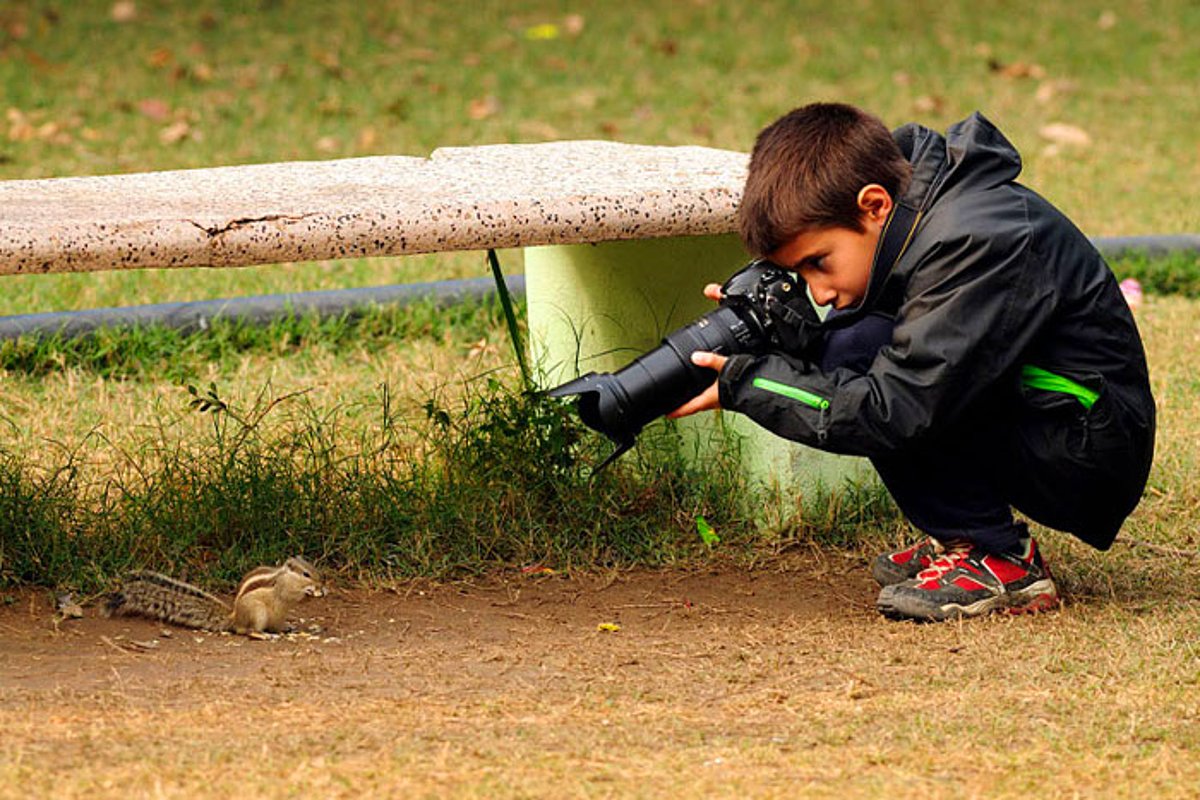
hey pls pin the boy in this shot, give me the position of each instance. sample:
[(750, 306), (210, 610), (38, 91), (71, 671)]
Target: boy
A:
[(979, 351)]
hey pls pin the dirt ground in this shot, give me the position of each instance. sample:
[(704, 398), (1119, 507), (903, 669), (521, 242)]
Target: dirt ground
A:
[(720, 682)]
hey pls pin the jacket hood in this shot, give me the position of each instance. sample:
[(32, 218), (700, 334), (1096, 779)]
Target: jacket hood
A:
[(973, 153)]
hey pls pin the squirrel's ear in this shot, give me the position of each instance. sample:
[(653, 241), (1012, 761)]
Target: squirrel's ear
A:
[(874, 202)]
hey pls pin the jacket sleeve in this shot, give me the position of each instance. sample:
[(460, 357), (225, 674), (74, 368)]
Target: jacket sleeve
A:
[(971, 308)]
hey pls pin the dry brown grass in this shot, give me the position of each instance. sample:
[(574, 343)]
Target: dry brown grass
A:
[(775, 683)]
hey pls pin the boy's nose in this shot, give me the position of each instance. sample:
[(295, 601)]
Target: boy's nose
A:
[(822, 295)]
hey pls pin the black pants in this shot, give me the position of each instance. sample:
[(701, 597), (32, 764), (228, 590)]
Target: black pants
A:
[(956, 485)]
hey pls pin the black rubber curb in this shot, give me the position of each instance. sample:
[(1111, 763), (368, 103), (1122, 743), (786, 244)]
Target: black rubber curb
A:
[(191, 317), (195, 316)]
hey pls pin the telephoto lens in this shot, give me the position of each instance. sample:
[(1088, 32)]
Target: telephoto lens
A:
[(619, 404)]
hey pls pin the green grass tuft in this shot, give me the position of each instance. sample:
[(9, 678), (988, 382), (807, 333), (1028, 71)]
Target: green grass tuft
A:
[(155, 352), (497, 478), (1174, 273)]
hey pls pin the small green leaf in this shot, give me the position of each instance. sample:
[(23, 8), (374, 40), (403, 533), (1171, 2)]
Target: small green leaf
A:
[(706, 532)]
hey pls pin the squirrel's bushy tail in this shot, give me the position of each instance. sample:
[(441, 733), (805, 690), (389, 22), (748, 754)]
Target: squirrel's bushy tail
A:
[(157, 596)]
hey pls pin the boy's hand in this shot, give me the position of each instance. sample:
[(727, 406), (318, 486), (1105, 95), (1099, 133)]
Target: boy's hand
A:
[(708, 399)]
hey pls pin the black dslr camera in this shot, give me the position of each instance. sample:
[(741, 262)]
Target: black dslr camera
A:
[(764, 307)]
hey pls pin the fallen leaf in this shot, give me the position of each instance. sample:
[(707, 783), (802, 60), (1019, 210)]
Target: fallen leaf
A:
[(479, 348), (175, 133), (53, 132), (154, 108), (160, 57), (483, 107), (1107, 21), (20, 129), (538, 129), (1050, 89), (327, 144), (929, 103), (586, 99), (573, 24), (1061, 133), (707, 534), (16, 29), (368, 137), (547, 30), (123, 11), (608, 627), (1017, 69)]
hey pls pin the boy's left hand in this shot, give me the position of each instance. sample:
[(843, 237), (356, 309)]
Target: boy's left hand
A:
[(708, 399)]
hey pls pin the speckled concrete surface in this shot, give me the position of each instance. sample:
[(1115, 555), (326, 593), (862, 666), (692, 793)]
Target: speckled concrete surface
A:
[(457, 199)]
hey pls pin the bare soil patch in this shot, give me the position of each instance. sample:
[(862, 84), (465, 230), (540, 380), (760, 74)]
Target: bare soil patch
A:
[(722, 681)]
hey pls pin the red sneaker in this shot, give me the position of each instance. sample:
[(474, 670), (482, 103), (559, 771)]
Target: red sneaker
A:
[(904, 564), (967, 581)]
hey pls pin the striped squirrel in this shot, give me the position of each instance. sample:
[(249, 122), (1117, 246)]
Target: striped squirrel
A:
[(264, 598)]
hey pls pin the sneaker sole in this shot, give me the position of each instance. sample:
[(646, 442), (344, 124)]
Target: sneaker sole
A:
[(1038, 596)]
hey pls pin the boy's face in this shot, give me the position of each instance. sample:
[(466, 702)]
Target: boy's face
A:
[(836, 262)]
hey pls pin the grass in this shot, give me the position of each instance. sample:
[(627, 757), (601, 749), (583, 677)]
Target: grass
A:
[(501, 477), (398, 444), (484, 475), (286, 80), (218, 83), (379, 471), (154, 352)]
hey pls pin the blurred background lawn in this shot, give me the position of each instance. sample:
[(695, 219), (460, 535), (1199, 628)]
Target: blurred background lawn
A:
[(1100, 98)]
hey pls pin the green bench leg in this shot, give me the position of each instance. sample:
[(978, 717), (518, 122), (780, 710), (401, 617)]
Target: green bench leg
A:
[(596, 307)]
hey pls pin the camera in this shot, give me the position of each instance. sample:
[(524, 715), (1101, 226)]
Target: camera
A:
[(764, 307)]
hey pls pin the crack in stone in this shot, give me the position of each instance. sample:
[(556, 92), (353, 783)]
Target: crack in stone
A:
[(219, 230)]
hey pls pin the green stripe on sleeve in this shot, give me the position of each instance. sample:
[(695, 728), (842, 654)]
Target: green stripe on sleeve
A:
[(791, 392), (1038, 378)]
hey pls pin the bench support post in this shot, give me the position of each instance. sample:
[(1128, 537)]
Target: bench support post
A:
[(597, 306)]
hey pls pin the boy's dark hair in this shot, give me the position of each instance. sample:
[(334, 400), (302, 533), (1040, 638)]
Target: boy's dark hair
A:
[(807, 168)]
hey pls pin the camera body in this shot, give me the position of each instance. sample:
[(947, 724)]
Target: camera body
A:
[(764, 307)]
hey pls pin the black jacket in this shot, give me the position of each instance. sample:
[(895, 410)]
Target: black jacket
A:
[(994, 288)]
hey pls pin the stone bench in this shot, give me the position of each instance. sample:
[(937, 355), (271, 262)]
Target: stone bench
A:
[(618, 239)]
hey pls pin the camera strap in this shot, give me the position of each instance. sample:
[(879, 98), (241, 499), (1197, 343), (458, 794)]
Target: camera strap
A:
[(894, 241)]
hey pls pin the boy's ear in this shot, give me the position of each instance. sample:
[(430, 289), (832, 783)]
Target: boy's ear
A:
[(874, 203)]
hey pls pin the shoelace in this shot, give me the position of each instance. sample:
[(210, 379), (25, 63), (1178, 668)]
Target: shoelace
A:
[(949, 555)]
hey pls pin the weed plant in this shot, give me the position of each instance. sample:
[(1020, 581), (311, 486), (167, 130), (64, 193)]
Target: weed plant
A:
[(500, 477)]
